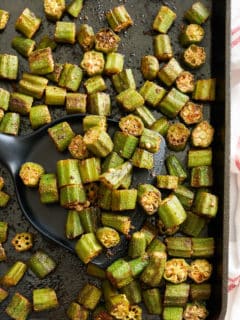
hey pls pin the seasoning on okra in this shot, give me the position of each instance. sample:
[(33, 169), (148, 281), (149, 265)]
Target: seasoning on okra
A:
[(185, 82), (179, 246), (32, 85), (195, 310), (76, 103), (205, 204), (10, 123), (137, 245), (203, 247), (153, 272), (44, 299), (173, 102), (118, 222), (3, 255), (106, 40), (61, 134), (74, 227), (150, 232), (142, 159), (176, 270), (130, 99), (90, 169), (8, 66), (177, 136), (4, 99), (4, 16), (162, 47), (152, 93), (55, 75), (146, 115), (118, 18), (156, 245), (41, 61), (99, 103), (198, 13), (149, 198), (77, 148), (175, 168), (124, 199), (202, 176), (124, 80), (75, 7), (114, 176), (95, 84), (28, 23), (39, 116), (193, 225), (86, 37), (89, 296), (71, 77), (65, 32), (118, 306), (149, 67), (54, 9), (88, 247), (194, 56), (200, 292), (114, 63), (22, 241), (176, 295), (73, 196), (132, 125), (93, 62), (23, 45), (75, 311), (46, 42), (170, 313), (185, 196), (20, 103), (191, 113), (98, 142), (205, 90), (150, 140), (200, 270), (132, 292), (48, 188), (30, 173), (137, 265), (169, 72), (91, 121), (119, 273), (19, 307), (124, 144), (200, 157), (191, 34), (14, 274), (41, 264), (108, 237), (202, 134), (101, 313), (164, 19), (153, 300), (169, 231)]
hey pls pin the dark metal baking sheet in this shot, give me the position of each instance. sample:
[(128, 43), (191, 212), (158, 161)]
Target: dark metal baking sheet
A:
[(70, 275)]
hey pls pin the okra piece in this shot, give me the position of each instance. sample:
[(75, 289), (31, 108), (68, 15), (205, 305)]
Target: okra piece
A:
[(32, 85), (153, 272), (205, 90), (23, 45), (65, 32), (86, 37), (161, 126), (202, 135), (95, 84), (73, 196), (99, 103), (164, 19), (55, 95), (202, 247), (118, 306), (119, 273), (4, 99), (153, 300), (146, 115), (185, 196), (95, 271), (149, 198), (89, 296), (191, 34), (108, 237), (4, 16), (131, 125), (75, 8), (54, 9), (114, 176), (163, 230), (137, 245), (44, 299), (205, 204), (114, 63), (2, 183), (118, 18), (8, 66), (126, 182), (124, 200), (41, 61), (68, 172), (130, 99), (3, 294), (149, 67), (135, 312), (200, 292), (202, 176), (152, 93), (132, 292), (20, 103), (124, 80), (61, 134), (98, 142), (93, 63), (3, 231), (14, 274), (142, 159), (150, 232), (91, 121), (3, 255), (200, 270), (22, 241), (137, 265), (77, 148), (156, 246), (19, 307), (55, 75), (194, 56), (10, 123), (195, 310), (39, 116), (89, 219), (167, 182), (202, 157), (1, 114), (175, 168), (108, 290), (71, 77), (76, 103), (101, 313), (90, 169), (177, 136), (74, 227), (173, 102), (28, 23), (124, 144), (176, 295), (46, 42), (169, 72), (198, 13), (150, 140), (162, 47), (118, 222), (172, 313), (41, 264), (179, 246), (30, 173), (88, 247), (191, 113), (113, 160), (77, 312), (4, 198), (106, 40), (185, 82), (104, 197), (176, 270)]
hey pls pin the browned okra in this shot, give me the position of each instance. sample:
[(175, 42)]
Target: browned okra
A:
[(65, 32), (41, 264), (89, 296), (76, 103), (88, 247), (119, 273), (39, 115), (179, 246), (118, 18), (194, 56), (149, 67), (48, 188), (176, 270), (177, 136), (20, 103), (93, 62), (200, 270), (191, 113), (54, 9), (149, 198), (61, 134), (132, 125), (30, 173), (118, 222), (114, 176), (205, 90), (98, 142), (124, 199), (78, 148), (108, 237), (130, 99), (202, 134), (28, 23), (195, 310), (3, 255), (22, 241), (19, 307), (106, 40), (44, 299), (86, 37), (8, 66), (3, 295), (3, 231), (77, 312), (164, 19), (4, 16), (14, 274), (176, 295), (162, 47), (169, 72), (185, 82)]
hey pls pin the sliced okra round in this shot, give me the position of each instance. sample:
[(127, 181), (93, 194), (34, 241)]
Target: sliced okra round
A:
[(176, 270), (22, 241), (200, 270)]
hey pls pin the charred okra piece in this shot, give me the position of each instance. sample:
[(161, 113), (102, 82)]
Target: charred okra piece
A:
[(14, 274), (200, 270), (173, 102), (167, 182), (4, 198), (164, 19), (191, 113), (114, 63), (55, 75), (176, 270), (149, 67), (137, 245), (89, 296), (185, 82), (200, 292), (95, 271), (170, 313), (176, 295), (3, 231), (191, 34), (153, 301), (19, 307), (30, 173), (119, 273), (156, 246), (124, 80), (108, 237), (4, 16), (101, 313), (162, 47), (193, 225), (68, 172), (32, 85), (152, 93), (198, 13), (99, 104), (118, 222), (91, 121), (90, 169), (169, 72), (75, 8), (177, 136), (95, 84), (86, 37), (202, 247), (75, 311), (22, 241), (132, 292), (146, 115), (131, 125), (118, 18), (205, 204), (71, 77), (118, 306), (23, 45), (8, 66), (194, 56), (92, 190), (202, 135), (4, 99), (93, 63), (76, 103), (39, 116), (41, 264), (153, 273), (54, 9), (28, 23), (149, 198), (65, 32), (77, 148), (130, 99), (124, 199), (89, 219), (46, 42), (179, 247), (114, 176), (205, 90), (124, 144), (142, 159), (150, 140), (20, 103), (98, 142), (202, 157), (185, 196), (44, 299), (106, 40), (175, 168), (195, 309), (74, 227), (41, 61), (3, 294), (161, 126), (61, 134), (10, 123), (113, 160), (88, 247), (202, 176)]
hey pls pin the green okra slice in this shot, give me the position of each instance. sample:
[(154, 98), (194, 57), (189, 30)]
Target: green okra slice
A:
[(77, 148), (132, 292), (176, 295), (71, 77), (130, 99), (193, 225), (202, 176), (98, 141), (202, 157), (185, 196), (44, 299), (41, 264), (131, 125), (169, 72), (162, 47), (108, 237), (89, 296), (124, 80), (95, 84), (14, 274), (86, 37), (22, 241), (54, 9), (30, 173), (163, 230), (61, 134), (90, 169), (164, 19), (55, 75), (150, 140), (200, 270), (114, 176), (32, 85), (149, 198), (126, 182), (202, 134), (146, 115), (153, 272), (179, 246), (19, 307), (119, 273), (46, 42), (203, 247), (118, 18), (99, 103), (4, 199), (152, 93), (95, 271), (20, 103), (113, 160), (76, 103), (65, 32), (118, 306), (119, 222), (169, 182), (192, 33), (10, 123), (195, 309), (41, 61), (137, 265), (161, 126), (177, 136), (149, 67), (142, 159), (23, 45), (194, 56), (93, 62), (205, 204), (137, 245), (3, 231), (91, 121), (4, 16), (156, 246), (173, 102), (28, 23), (68, 172), (55, 96), (8, 66), (176, 270), (88, 247), (205, 90), (124, 144), (150, 232), (75, 7), (114, 63), (73, 197), (3, 294), (89, 219), (4, 99), (153, 300), (191, 113), (48, 188), (175, 168), (172, 313), (104, 197), (200, 292), (39, 116), (198, 13), (106, 40), (124, 200), (3, 255), (108, 290), (75, 311), (185, 82), (73, 227)]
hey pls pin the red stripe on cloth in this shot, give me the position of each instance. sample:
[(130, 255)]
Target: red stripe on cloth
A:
[(234, 30), (233, 283), (235, 42), (237, 156), (234, 279)]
